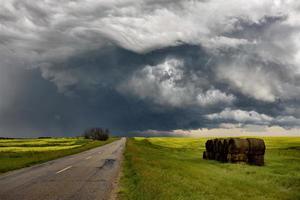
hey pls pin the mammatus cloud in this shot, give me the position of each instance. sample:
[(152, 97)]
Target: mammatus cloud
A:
[(146, 64)]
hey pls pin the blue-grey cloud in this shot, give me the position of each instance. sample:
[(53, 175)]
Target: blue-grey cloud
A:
[(139, 65)]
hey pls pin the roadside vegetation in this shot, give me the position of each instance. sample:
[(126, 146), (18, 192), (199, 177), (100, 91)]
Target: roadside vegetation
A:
[(19, 153), (173, 168)]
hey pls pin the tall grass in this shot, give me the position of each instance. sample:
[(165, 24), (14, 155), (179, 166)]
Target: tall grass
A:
[(173, 168)]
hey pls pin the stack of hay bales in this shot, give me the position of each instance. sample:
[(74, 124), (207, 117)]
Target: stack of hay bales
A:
[(235, 150)]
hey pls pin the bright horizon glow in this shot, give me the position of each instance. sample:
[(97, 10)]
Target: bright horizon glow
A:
[(251, 131)]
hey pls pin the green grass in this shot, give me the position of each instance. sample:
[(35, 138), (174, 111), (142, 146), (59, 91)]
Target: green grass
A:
[(173, 168), (19, 153)]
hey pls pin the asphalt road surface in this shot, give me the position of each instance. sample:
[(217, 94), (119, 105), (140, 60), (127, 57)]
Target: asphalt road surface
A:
[(87, 175)]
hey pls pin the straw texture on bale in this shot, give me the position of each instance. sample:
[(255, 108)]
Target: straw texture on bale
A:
[(237, 145), (256, 146)]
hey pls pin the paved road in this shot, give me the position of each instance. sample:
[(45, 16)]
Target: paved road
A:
[(87, 175)]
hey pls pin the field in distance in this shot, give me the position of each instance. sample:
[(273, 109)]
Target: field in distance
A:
[(173, 168), (18, 153)]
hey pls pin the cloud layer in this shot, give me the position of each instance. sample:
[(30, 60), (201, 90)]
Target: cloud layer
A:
[(148, 64)]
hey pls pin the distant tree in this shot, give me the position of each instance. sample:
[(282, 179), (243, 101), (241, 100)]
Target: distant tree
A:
[(96, 134)]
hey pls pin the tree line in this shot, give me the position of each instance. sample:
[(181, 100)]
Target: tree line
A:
[(97, 134)]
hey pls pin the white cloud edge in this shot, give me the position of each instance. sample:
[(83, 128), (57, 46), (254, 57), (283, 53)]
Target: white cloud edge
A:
[(166, 84), (252, 117)]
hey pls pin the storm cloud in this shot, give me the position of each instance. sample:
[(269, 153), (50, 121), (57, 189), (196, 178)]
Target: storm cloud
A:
[(66, 65)]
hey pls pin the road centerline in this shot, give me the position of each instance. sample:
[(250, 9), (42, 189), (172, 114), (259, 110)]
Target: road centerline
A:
[(63, 169)]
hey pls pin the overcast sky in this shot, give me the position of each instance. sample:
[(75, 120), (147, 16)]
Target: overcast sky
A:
[(171, 66)]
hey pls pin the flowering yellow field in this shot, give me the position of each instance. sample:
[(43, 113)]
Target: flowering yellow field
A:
[(18, 153)]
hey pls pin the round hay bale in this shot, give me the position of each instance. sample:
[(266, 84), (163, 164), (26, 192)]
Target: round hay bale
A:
[(209, 145), (220, 145), (223, 145), (238, 146), (220, 149), (226, 145), (224, 149), (215, 145), (256, 146)]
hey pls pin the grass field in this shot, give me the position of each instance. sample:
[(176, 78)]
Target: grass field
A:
[(173, 168), (18, 153)]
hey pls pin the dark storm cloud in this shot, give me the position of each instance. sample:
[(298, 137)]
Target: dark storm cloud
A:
[(139, 65)]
